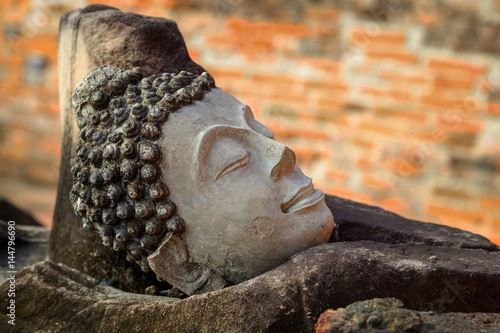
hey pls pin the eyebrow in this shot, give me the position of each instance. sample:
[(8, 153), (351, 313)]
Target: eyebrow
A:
[(206, 142)]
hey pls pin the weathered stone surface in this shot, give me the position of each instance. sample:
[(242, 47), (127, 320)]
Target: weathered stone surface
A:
[(355, 221), (89, 38), (388, 315), (127, 40), (385, 314), (289, 298)]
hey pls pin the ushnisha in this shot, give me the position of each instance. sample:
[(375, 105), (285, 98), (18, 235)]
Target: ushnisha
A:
[(179, 174)]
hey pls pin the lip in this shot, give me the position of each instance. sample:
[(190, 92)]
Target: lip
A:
[(305, 197)]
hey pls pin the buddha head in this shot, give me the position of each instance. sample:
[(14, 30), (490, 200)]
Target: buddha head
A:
[(180, 175)]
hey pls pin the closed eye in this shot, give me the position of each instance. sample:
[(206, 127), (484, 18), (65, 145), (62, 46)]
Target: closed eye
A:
[(240, 163)]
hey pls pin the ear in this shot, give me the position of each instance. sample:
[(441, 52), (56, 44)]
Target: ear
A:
[(171, 263)]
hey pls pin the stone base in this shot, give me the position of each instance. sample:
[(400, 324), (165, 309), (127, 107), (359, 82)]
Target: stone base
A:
[(289, 298)]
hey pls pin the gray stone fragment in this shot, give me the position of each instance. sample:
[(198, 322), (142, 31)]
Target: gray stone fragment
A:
[(385, 314), (126, 40), (355, 221), (388, 315)]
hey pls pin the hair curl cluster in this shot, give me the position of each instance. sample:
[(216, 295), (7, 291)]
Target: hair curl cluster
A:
[(118, 189)]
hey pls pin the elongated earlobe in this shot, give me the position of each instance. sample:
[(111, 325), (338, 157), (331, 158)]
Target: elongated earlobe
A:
[(171, 263)]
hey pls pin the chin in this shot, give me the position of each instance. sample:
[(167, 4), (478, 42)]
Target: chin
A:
[(314, 225), (321, 221)]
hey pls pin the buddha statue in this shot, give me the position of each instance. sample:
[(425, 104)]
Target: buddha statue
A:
[(181, 176)]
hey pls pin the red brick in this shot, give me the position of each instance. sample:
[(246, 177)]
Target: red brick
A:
[(426, 18), (374, 181), (330, 104), (113, 3), (491, 202), (400, 166), (364, 162), (454, 84), (382, 129), (495, 237), (457, 123), (194, 21), (453, 67), (288, 99), (438, 100), (324, 31), (219, 41), (378, 92), (402, 57), (225, 72), (42, 174), (193, 54), (296, 133), (395, 94), (451, 214), (336, 174), (363, 143), (389, 51), (54, 107), (406, 78), (343, 193), (494, 108), (255, 40), (51, 148), (413, 116), (306, 116), (273, 79), (323, 13), (289, 29), (12, 154), (450, 193), (397, 205), (469, 106), (259, 44), (42, 44), (305, 154), (436, 136), (328, 66), (326, 86), (15, 11), (362, 37), (244, 27)]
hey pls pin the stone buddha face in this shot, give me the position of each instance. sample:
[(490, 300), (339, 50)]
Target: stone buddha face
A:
[(179, 174), (247, 205)]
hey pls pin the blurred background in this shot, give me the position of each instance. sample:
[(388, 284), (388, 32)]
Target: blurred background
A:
[(393, 103)]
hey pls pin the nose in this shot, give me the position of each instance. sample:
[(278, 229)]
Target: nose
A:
[(285, 165)]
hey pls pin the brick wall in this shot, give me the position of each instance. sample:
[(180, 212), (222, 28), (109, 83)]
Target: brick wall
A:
[(394, 103)]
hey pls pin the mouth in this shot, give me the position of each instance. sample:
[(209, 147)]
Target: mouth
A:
[(305, 197)]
